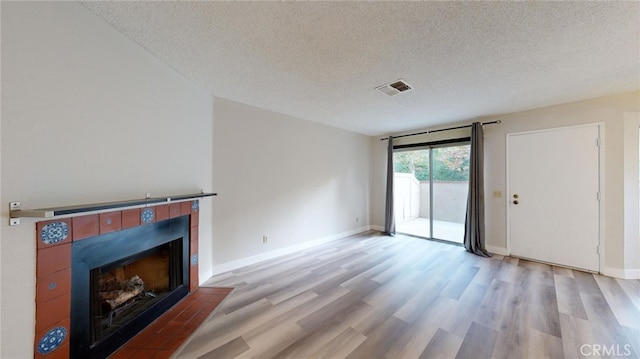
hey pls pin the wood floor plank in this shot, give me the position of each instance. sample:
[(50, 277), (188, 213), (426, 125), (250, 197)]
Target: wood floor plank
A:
[(634, 339), (576, 332), (334, 264), (243, 324), (380, 339), (632, 288), (395, 291), (511, 272), (296, 287), (313, 341), (621, 305), (336, 310), (606, 329), (513, 337), (568, 297), (459, 321), (478, 343), (511, 260), (365, 270), (247, 295), (544, 315), (372, 296), (561, 271), (587, 284), (268, 343), (439, 310), (326, 299), (229, 350), (416, 305), (276, 316), (330, 282), (227, 327), (494, 306), (341, 346), (442, 346), (543, 345), (487, 272), (389, 299), (459, 281), (413, 341), (401, 267)]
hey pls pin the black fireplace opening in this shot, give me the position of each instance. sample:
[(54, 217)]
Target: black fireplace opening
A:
[(123, 281), (123, 290)]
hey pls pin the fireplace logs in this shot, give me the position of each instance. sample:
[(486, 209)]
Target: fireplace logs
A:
[(114, 293)]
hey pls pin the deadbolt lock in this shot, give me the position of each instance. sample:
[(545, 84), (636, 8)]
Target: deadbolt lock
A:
[(516, 196)]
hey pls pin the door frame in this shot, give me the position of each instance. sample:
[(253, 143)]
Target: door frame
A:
[(601, 186)]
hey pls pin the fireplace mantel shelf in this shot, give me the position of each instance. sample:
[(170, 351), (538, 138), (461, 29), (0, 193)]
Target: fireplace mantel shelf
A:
[(16, 212)]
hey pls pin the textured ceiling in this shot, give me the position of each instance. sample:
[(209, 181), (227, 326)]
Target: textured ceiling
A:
[(321, 61)]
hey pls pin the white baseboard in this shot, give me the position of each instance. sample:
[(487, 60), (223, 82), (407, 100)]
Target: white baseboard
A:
[(242, 262), (497, 250), (621, 273)]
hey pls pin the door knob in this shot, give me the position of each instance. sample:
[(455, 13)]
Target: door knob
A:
[(516, 202)]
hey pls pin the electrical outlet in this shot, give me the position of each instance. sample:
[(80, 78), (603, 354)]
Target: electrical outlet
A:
[(357, 219), (497, 194), (265, 239)]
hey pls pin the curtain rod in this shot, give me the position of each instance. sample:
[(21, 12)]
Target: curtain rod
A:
[(441, 130)]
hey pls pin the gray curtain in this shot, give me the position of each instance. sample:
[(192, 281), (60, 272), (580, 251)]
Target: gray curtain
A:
[(389, 219), (474, 222)]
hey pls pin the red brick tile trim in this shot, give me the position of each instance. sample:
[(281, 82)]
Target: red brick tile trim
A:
[(130, 218), (85, 226), (174, 210), (110, 222), (162, 212)]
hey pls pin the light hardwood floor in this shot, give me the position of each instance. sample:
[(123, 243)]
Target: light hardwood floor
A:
[(372, 296)]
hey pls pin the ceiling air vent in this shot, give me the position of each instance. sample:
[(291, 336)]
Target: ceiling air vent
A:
[(394, 88)]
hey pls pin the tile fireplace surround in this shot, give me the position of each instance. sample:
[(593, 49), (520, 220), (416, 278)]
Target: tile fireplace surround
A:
[(54, 258)]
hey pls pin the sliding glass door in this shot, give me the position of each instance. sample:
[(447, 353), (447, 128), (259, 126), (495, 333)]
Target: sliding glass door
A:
[(431, 184)]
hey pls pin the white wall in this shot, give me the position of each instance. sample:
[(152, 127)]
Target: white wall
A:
[(87, 116), (292, 180), (609, 110), (631, 194)]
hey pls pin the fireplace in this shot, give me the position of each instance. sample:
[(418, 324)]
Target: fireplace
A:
[(123, 290), (124, 280), (103, 278)]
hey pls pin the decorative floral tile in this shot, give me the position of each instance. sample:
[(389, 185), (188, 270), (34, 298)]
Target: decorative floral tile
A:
[(147, 215), (52, 340), (54, 232)]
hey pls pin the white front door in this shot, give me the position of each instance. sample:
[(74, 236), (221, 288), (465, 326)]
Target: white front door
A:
[(553, 200)]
